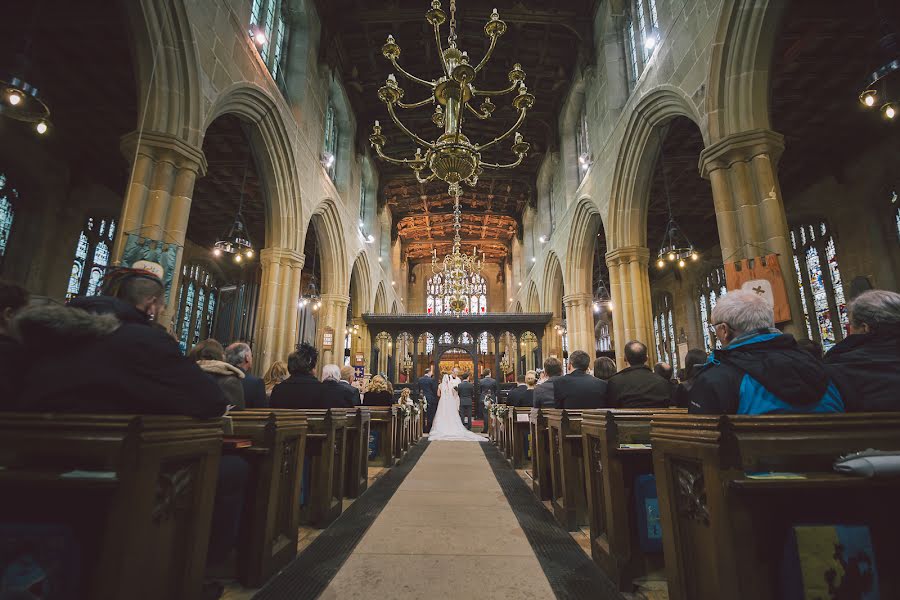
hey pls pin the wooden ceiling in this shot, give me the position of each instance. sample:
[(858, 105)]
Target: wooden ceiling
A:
[(548, 40)]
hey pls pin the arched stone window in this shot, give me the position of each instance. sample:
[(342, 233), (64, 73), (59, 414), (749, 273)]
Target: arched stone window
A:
[(91, 257), (329, 150), (641, 36), (267, 18), (437, 299), (664, 330), (8, 199), (583, 145), (196, 310), (821, 288), (713, 287)]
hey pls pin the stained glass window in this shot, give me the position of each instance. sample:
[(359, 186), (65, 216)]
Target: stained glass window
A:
[(821, 286), (664, 330), (641, 22), (631, 50), (713, 287), (429, 343), (8, 198), (465, 338), (92, 253), (437, 297), (446, 338), (196, 306), (483, 343)]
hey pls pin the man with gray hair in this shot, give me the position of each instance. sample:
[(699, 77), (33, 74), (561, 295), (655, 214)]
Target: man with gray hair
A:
[(240, 355), (334, 393), (759, 370), (866, 364)]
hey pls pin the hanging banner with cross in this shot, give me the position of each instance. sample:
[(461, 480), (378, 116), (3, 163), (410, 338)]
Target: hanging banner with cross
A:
[(762, 276)]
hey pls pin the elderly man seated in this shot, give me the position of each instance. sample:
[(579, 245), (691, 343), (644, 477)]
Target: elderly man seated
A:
[(759, 370), (866, 364)]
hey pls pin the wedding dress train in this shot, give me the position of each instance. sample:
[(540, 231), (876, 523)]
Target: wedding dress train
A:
[(447, 425)]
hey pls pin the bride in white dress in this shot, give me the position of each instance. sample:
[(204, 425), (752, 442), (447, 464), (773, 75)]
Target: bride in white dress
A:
[(447, 425)]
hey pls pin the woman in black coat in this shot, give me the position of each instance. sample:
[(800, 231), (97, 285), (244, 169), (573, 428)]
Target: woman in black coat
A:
[(378, 393), (302, 389)]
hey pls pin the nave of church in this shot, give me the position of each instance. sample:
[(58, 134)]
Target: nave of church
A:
[(260, 260)]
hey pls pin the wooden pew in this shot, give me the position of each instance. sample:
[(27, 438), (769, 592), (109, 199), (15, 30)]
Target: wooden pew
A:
[(268, 538), (326, 453), (508, 426), (569, 495), (616, 450), (356, 478), (519, 428), (128, 497), (541, 479), (382, 428), (724, 532)]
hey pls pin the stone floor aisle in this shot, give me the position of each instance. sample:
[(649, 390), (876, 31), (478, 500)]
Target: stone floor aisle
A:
[(447, 532)]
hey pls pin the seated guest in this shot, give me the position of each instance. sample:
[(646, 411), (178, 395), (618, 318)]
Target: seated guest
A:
[(302, 389), (636, 386), (579, 389), (814, 349), (277, 373), (348, 375), (240, 355), (334, 394), (694, 360), (517, 394), (378, 393), (210, 356), (664, 370), (759, 370), (526, 397), (102, 354), (12, 298), (866, 364), (604, 368), (543, 392)]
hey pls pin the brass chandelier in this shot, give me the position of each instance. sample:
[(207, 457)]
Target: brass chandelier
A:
[(458, 269), (452, 157)]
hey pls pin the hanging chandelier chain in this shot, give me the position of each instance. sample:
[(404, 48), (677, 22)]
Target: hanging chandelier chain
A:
[(452, 39)]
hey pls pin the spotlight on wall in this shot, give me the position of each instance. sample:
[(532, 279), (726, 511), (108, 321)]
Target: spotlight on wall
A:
[(534, 259), (258, 35), (542, 239), (327, 160), (379, 259), (651, 40)]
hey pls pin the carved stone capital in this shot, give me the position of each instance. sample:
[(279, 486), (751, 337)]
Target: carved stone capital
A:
[(163, 147), (283, 256), (578, 299), (628, 254), (741, 147)]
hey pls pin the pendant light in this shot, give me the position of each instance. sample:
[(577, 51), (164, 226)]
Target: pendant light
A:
[(675, 248), (236, 240)]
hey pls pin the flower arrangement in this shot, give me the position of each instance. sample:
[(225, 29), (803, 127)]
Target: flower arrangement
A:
[(405, 410), (501, 411)]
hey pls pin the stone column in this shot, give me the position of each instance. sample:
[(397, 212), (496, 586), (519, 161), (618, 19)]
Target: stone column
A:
[(749, 206), (158, 199), (332, 314), (629, 284), (580, 322), (278, 313)]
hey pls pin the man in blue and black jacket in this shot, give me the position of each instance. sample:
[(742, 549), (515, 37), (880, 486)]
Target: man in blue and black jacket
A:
[(759, 370)]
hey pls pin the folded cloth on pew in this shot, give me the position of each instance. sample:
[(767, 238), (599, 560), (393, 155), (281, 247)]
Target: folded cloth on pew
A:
[(870, 463)]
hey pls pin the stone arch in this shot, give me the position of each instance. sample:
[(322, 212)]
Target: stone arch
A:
[(380, 306), (170, 98), (635, 162), (394, 310), (330, 234), (518, 306), (533, 299), (360, 285), (739, 66), (586, 222), (553, 285), (275, 156)]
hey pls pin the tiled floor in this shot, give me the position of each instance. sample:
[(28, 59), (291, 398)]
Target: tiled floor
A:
[(448, 532)]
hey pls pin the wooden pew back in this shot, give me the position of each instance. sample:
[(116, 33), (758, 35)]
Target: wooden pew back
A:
[(569, 497)]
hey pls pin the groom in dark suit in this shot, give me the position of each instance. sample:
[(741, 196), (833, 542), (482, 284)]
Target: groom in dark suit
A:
[(466, 393), (428, 389)]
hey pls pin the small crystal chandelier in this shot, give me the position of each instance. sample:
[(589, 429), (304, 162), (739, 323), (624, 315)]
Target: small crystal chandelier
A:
[(675, 244), (236, 240), (453, 158), (882, 88), (458, 269)]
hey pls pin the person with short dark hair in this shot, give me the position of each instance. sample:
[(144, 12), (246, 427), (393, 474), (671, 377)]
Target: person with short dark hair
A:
[(240, 355), (13, 298), (487, 387), (302, 389), (428, 389), (636, 386), (579, 389), (101, 354), (210, 356), (866, 364), (665, 370), (517, 395), (694, 361), (466, 391), (604, 368), (543, 392), (759, 370)]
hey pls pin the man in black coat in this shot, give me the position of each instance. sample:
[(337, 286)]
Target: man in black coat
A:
[(347, 377), (866, 364), (543, 392), (517, 394), (108, 356), (302, 389), (487, 386), (466, 391), (240, 355), (579, 389), (428, 389), (636, 386)]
